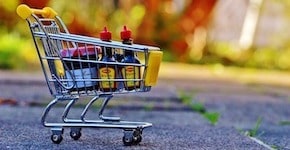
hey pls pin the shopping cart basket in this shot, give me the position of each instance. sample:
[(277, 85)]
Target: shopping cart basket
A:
[(73, 68)]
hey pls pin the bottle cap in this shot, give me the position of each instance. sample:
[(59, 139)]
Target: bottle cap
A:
[(125, 34), (105, 35)]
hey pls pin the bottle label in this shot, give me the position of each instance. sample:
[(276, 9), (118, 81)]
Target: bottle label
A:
[(107, 73), (79, 74), (131, 72)]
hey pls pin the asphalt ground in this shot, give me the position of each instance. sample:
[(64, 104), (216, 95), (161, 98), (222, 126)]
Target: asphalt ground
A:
[(20, 129), (175, 125)]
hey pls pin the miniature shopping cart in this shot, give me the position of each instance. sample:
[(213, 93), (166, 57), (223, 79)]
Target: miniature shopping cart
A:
[(73, 68)]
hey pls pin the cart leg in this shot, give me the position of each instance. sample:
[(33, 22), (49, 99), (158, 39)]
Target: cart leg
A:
[(105, 102), (46, 111), (87, 108), (56, 136), (66, 111)]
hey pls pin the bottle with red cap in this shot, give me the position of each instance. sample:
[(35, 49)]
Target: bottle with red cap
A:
[(129, 72), (107, 71)]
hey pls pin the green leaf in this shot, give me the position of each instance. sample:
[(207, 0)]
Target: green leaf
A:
[(212, 117)]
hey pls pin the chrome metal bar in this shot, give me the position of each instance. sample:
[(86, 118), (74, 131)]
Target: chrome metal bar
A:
[(87, 108), (105, 102), (103, 124), (93, 61), (67, 109), (96, 41), (46, 111)]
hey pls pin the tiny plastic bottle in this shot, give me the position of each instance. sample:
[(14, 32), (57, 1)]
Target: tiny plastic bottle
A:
[(129, 72), (107, 71)]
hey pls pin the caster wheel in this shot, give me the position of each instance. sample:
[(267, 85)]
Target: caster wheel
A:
[(56, 138), (75, 134), (137, 139), (137, 136), (128, 140)]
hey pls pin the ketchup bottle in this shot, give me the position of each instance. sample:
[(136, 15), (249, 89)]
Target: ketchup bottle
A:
[(107, 71), (129, 72)]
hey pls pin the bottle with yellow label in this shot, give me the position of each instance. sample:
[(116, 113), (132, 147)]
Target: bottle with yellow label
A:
[(129, 72), (107, 71)]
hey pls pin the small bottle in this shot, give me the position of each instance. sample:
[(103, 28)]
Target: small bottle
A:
[(107, 71), (129, 72)]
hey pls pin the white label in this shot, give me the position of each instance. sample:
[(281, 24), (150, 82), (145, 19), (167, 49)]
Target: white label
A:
[(85, 73)]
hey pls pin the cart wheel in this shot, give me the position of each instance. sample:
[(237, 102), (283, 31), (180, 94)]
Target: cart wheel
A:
[(137, 139), (137, 136), (56, 138), (75, 134), (128, 139)]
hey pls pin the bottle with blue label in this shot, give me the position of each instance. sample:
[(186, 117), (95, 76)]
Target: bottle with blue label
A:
[(107, 71), (129, 72)]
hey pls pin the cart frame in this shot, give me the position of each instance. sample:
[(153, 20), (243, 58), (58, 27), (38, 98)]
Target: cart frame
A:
[(50, 37)]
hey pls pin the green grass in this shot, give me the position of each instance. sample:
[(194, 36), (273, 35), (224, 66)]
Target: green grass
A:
[(254, 131), (275, 147), (212, 117), (187, 99), (284, 122)]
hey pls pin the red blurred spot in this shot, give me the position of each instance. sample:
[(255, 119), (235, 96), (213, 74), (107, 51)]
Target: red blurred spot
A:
[(180, 47), (8, 102), (35, 3)]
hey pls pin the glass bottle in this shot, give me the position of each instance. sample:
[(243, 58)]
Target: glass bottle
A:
[(129, 72), (107, 71)]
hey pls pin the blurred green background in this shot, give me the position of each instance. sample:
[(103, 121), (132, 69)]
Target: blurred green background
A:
[(244, 33)]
